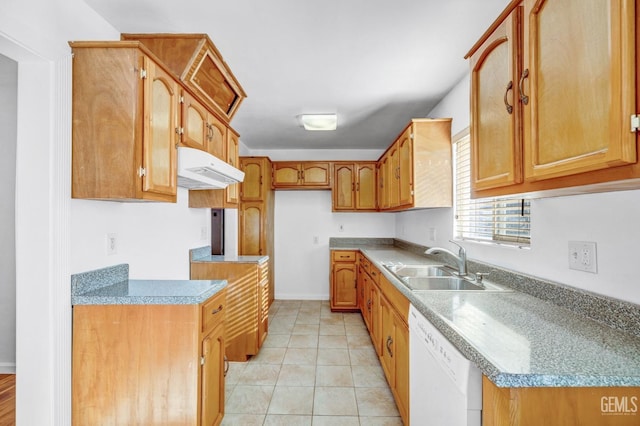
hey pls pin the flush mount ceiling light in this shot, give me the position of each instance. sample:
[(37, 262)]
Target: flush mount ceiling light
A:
[(319, 121)]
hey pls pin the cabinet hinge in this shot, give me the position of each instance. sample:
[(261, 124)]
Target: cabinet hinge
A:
[(181, 99), (142, 172), (143, 73), (202, 360), (411, 136), (180, 130), (635, 122)]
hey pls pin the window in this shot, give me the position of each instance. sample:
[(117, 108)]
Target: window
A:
[(496, 220)]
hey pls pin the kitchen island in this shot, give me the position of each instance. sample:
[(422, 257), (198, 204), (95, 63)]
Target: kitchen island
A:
[(537, 356), (147, 351)]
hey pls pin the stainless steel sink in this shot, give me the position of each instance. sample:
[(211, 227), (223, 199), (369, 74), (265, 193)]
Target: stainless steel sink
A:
[(440, 283), (413, 271)]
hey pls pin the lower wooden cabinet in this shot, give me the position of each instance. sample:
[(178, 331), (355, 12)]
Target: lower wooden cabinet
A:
[(149, 364), (344, 295), (245, 301)]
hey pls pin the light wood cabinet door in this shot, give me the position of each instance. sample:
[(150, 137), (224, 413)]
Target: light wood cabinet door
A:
[(384, 166), (580, 86), (405, 154), (286, 174), (344, 185), (365, 188), (217, 132), (394, 176), (388, 341), (301, 175), (316, 174), (252, 231), (253, 187), (213, 372), (375, 317), (232, 191), (343, 281), (194, 129), (496, 111), (401, 356), (160, 139)]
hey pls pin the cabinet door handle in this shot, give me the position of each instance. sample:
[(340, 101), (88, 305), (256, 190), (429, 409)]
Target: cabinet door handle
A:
[(524, 98), (358, 186), (389, 343), (215, 311), (506, 102), (226, 366)]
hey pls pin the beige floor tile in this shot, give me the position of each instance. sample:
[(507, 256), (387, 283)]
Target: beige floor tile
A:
[(332, 329), (291, 400), (356, 329), (297, 375), (235, 371), (260, 374), (301, 356), (352, 318), (249, 400), (334, 375), (337, 421), (242, 419), (303, 341), (287, 420), (282, 325), (269, 356), (333, 357), (364, 356), (332, 342), (334, 401), (333, 319), (381, 421), (308, 318), (368, 376), (305, 329), (276, 340), (228, 390), (359, 341), (376, 402)]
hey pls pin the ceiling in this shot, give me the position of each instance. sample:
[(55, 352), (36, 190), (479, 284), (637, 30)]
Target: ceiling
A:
[(376, 63)]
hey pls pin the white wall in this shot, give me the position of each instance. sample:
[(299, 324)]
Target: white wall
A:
[(8, 137), (609, 219), (301, 265)]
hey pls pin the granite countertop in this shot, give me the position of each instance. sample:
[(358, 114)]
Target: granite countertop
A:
[(203, 254), (112, 286), (516, 339)]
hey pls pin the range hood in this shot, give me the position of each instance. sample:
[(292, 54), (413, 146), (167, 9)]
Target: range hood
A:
[(200, 170)]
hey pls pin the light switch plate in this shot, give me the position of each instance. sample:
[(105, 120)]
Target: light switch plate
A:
[(582, 256)]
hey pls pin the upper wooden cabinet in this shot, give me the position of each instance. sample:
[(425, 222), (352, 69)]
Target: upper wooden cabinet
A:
[(301, 175), (416, 168), (194, 59), (257, 178), (573, 78), (232, 191), (201, 129), (354, 186), (125, 115)]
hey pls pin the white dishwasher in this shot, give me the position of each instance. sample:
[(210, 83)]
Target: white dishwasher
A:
[(445, 387)]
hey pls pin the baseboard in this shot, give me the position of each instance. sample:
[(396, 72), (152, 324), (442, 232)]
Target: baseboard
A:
[(302, 296), (7, 368)]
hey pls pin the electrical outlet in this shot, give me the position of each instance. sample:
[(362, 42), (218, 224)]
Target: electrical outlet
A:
[(582, 256), (341, 228), (112, 244), (315, 239)]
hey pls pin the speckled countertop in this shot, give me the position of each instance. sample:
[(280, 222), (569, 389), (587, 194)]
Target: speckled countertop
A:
[(517, 339), (112, 286), (203, 254)]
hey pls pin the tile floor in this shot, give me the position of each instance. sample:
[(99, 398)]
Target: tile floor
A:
[(315, 368)]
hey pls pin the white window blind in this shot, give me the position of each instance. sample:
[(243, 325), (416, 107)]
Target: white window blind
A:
[(497, 220)]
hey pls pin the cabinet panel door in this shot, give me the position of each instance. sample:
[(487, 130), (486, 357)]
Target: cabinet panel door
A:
[(394, 176), (316, 174), (581, 86), (402, 367), (212, 391), (496, 153), (252, 186), (217, 137), (286, 174), (366, 186), (159, 147), (251, 229), (195, 125), (405, 152), (344, 285), (343, 187), (384, 182), (232, 191), (387, 340)]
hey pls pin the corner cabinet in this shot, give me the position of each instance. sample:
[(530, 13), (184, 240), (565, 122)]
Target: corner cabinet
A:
[(125, 116), (354, 186), (149, 364), (416, 170), (343, 286), (301, 175), (556, 81)]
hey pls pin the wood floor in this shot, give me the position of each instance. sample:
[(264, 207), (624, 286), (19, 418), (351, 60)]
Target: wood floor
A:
[(7, 399)]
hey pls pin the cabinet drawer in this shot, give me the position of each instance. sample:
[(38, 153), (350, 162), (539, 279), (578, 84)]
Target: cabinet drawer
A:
[(213, 311), (344, 256)]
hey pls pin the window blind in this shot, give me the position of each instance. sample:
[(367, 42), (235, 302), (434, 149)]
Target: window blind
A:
[(497, 220)]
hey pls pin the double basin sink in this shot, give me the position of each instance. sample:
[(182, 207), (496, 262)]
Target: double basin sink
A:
[(436, 277)]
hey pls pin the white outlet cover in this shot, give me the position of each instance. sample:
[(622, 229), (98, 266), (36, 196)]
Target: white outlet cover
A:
[(112, 243), (582, 256)]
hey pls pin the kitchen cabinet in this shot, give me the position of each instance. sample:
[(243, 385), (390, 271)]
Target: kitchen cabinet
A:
[(233, 157), (256, 213), (200, 128), (245, 286), (384, 167), (417, 167), (584, 406), (125, 112), (354, 186), (569, 137), (196, 61), (343, 291), (301, 175), (149, 364), (263, 302)]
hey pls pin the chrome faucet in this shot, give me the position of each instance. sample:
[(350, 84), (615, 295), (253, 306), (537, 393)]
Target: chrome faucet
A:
[(461, 257)]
